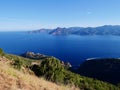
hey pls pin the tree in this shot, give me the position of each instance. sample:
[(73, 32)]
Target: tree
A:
[(52, 70)]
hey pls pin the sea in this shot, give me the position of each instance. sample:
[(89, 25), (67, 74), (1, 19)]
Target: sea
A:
[(70, 48)]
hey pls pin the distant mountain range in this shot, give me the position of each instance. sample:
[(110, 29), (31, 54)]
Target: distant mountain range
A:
[(101, 30)]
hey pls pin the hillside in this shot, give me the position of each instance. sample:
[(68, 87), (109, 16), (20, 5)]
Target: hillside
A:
[(27, 74), (12, 79), (103, 69)]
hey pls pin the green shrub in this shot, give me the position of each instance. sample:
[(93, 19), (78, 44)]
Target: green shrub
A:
[(1, 52), (52, 70), (25, 61), (18, 64), (36, 70)]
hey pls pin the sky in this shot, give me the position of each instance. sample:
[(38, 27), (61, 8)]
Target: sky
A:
[(36, 14)]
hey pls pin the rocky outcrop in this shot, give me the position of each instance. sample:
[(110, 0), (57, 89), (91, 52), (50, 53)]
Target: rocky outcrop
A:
[(33, 55), (40, 31), (66, 64)]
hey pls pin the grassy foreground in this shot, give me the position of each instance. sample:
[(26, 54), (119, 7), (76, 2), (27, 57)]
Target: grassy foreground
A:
[(12, 79)]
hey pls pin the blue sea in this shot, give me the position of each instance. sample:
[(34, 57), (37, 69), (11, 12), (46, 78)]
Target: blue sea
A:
[(72, 48)]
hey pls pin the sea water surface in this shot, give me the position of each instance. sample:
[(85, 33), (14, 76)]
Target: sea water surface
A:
[(72, 48)]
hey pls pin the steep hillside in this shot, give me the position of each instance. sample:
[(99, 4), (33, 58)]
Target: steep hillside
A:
[(52, 70), (12, 79), (102, 69)]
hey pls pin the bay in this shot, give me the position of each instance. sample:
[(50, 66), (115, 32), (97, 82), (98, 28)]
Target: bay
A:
[(72, 48)]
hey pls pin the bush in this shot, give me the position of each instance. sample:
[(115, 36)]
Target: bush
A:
[(36, 70), (18, 64), (52, 70), (1, 52)]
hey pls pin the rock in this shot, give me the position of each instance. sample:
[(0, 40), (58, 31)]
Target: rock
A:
[(33, 55)]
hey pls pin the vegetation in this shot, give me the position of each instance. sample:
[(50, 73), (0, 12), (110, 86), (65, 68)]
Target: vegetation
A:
[(1, 52), (102, 69), (12, 79), (51, 69), (18, 61), (18, 64)]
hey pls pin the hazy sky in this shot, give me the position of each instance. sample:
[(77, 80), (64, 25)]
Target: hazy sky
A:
[(35, 14)]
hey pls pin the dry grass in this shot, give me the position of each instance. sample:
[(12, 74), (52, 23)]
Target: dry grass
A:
[(11, 79)]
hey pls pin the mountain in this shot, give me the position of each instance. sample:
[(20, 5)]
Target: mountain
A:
[(103, 69), (40, 31), (101, 30), (59, 31)]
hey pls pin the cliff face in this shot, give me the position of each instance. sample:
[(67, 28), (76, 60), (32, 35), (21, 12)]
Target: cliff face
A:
[(102, 69)]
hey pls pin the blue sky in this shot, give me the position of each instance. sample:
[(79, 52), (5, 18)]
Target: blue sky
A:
[(35, 14)]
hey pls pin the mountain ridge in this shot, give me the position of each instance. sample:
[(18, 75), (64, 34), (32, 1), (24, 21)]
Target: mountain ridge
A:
[(100, 30)]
